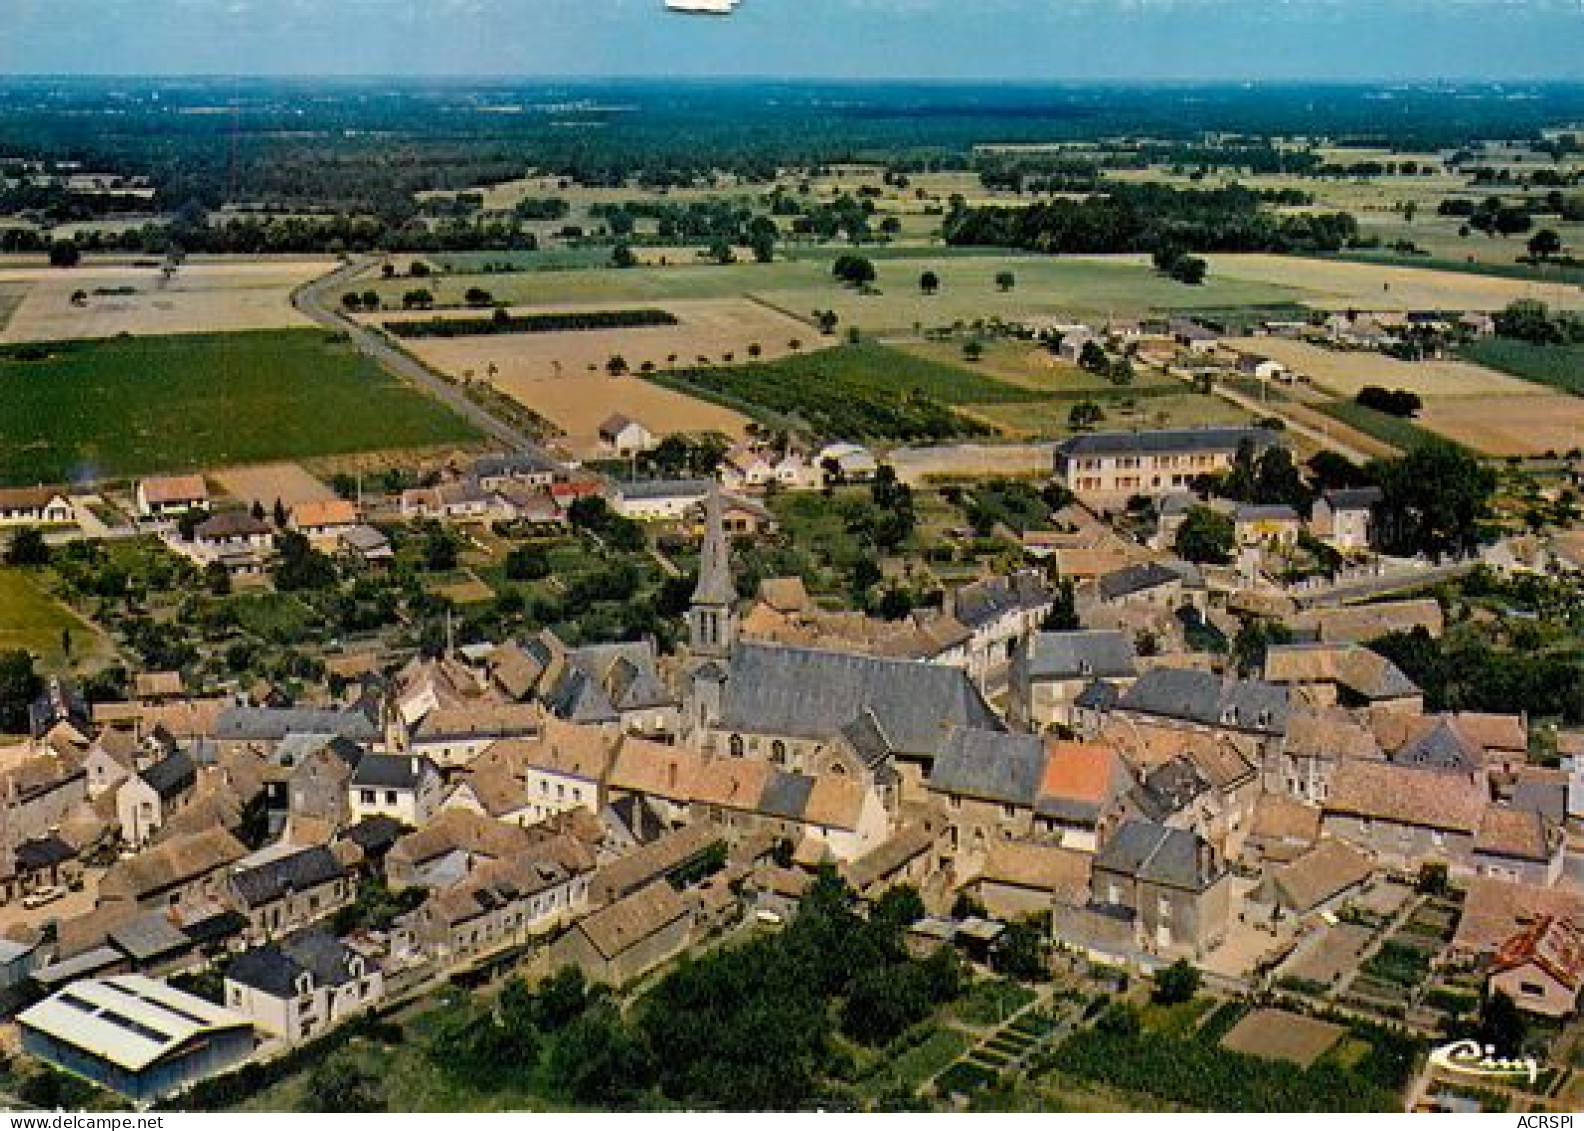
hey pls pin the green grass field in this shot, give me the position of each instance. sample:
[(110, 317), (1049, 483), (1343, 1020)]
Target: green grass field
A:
[(33, 620), (1044, 285), (866, 391), (129, 406), (1402, 434), (1561, 367)]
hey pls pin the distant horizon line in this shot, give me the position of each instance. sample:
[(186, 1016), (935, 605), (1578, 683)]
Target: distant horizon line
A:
[(847, 80)]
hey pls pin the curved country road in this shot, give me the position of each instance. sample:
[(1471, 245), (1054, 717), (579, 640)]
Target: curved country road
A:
[(317, 302)]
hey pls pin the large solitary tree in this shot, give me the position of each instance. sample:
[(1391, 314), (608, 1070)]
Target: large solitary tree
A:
[(1433, 499)]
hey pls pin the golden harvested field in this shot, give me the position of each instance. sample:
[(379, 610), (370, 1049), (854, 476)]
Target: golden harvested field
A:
[(1508, 426), (562, 376), (1345, 372), (203, 297), (265, 482), (1338, 285)]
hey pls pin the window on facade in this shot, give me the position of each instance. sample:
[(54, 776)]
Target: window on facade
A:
[(736, 746)]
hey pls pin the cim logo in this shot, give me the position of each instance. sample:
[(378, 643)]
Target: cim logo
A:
[(1470, 1058)]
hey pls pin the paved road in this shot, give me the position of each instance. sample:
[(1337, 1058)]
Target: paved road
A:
[(1261, 408), (320, 301), (1394, 582)]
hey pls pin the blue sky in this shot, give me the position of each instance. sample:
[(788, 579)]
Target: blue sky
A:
[(946, 39)]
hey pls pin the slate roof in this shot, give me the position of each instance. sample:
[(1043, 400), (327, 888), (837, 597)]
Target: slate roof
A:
[(231, 524), (275, 967), (984, 602), (801, 692), (1352, 498), (271, 724), (1169, 789), (297, 872), (786, 795), (1101, 695), (1132, 579), (648, 489), (171, 776), (391, 771), (526, 462), (1088, 654), (1156, 854), (1202, 697), (990, 766), (1442, 747), (1165, 440)]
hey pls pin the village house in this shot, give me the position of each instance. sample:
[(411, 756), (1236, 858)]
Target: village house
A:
[(501, 902), (147, 799), (1345, 518), (1273, 526), (1019, 879), (1321, 878), (313, 773), (35, 506), (850, 463), (529, 780), (1346, 675), (999, 613), (1170, 882), (746, 467), (284, 887), (165, 496), (1405, 815), (497, 472), (1111, 467), (259, 730), (1318, 740), (323, 522), (183, 873), (404, 786), (1051, 669), (1252, 713), (1195, 337), (302, 986), (451, 845), (1541, 968), (39, 792), (659, 500), (1262, 368), (455, 735), (1082, 793), (456, 501), (234, 539), (616, 684), (624, 437), (618, 943)]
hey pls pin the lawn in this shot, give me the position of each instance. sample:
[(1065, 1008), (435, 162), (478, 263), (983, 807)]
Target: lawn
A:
[(31, 619), (1561, 367), (130, 406)]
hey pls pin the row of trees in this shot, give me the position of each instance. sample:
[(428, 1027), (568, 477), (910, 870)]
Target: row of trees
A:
[(1150, 218)]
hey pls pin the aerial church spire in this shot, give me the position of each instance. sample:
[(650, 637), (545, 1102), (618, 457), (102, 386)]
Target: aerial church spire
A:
[(712, 618)]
